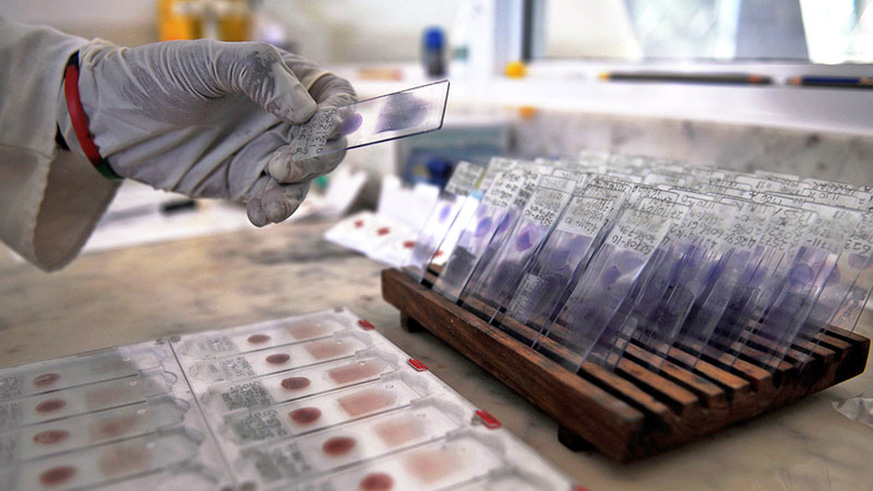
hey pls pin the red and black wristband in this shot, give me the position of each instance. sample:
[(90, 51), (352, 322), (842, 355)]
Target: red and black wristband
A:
[(80, 120)]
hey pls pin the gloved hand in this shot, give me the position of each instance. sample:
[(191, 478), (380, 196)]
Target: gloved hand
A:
[(206, 118)]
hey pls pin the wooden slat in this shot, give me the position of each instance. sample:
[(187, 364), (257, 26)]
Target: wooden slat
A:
[(736, 387), (679, 399), (711, 395)]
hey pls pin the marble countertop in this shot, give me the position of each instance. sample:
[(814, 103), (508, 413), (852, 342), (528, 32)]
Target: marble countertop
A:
[(140, 293)]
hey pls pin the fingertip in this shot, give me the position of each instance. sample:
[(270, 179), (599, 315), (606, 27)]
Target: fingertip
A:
[(277, 211), (255, 212), (282, 211)]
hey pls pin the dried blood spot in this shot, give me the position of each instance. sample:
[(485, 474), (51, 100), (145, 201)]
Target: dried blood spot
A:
[(377, 481), (338, 445), (383, 231), (295, 383), (278, 359), (50, 405), (258, 338), (50, 437), (45, 379), (305, 415), (57, 475)]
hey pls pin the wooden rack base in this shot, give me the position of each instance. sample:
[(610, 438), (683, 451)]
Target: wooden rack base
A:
[(633, 412)]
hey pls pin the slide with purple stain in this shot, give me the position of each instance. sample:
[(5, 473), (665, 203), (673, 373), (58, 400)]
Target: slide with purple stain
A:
[(380, 119)]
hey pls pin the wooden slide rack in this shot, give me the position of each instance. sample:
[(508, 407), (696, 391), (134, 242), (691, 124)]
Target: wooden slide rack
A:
[(633, 412)]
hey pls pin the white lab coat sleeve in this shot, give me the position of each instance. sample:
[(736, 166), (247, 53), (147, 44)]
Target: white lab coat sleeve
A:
[(50, 200)]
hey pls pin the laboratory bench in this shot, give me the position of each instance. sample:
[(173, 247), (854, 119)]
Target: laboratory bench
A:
[(144, 292)]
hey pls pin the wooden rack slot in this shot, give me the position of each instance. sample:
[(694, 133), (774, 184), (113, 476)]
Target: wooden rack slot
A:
[(634, 411)]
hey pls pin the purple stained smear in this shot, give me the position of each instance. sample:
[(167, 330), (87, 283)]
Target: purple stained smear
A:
[(609, 277), (527, 238), (402, 111), (351, 124), (628, 261), (801, 274), (558, 259), (483, 227), (444, 213)]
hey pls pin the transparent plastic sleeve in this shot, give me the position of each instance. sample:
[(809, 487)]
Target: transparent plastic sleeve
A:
[(310, 455), (295, 384), (73, 371)]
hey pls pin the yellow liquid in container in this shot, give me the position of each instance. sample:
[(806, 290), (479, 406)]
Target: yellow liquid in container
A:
[(225, 20)]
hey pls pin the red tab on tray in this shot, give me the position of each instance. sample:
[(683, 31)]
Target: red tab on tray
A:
[(488, 420), (366, 325), (417, 365)]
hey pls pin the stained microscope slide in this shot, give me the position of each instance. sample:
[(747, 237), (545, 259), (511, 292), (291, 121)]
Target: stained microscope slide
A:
[(380, 119)]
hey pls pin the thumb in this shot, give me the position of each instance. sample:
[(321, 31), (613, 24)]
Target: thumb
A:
[(289, 100), (259, 71)]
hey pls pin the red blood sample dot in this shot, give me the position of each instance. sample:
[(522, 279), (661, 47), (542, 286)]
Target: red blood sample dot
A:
[(50, 405), (409, 244), (295, 383), (383, 231), (338, 445), (359, 223), (57, 475), (49, 437), (305, 415), (45, 379), (278, 359), (377, 481), (258, 338)]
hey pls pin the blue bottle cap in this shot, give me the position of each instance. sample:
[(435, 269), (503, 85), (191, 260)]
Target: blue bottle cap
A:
[(434, 38)]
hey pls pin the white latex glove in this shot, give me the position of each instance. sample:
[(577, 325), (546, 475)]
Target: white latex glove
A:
[(204, 118)]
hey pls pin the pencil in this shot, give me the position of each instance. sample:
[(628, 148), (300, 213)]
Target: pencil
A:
[(696, 78), (838, 82)]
